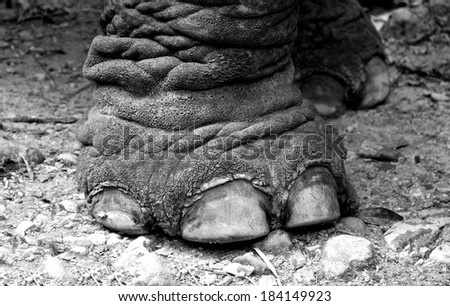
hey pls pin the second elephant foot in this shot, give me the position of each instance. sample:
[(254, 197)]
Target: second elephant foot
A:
[(328, 94)]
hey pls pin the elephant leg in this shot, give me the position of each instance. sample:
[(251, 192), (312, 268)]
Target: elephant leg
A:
[(199, 128), (339, 57)]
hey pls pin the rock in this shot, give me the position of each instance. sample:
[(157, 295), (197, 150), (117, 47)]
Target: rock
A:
[(54, 267), (343, 252), (439, 97), (77, 241), (377, 151), (97, 239), (2, 212), (4, 256), (298, 260), (39, 77), (80, 250), (208, 279), (304, 276), (249, 259), (114, 239), (3, 44), (446, 233), (41, 220), (417, 233), (25, 35), (441, 253), (69, 206), (145, 267), (10, 70), (351, 226), (143, 241), (67, 159), (24, 227), (267, 280), (237, 269), (276, 241)]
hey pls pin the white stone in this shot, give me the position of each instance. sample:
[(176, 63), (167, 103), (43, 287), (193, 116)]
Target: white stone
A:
[(97, 239), (69, 206), (277, 240), (267, 280), (441, 253), (41, 220), (54, 267), (403, 233), (237, 269), (114, 239), (208, 279), (145, 267), (80, 250), (4, 255), (25, 226), (304, 276), (77, 241), (343, 252), (141, 241), (439, 97), (249, 259), (67, 158)]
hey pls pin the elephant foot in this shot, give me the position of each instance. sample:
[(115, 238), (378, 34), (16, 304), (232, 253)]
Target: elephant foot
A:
[(228, 213), (312, 199), (118, 212), (328, 94)]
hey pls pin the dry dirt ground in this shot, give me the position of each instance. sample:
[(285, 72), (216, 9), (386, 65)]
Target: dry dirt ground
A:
[(41, 76)]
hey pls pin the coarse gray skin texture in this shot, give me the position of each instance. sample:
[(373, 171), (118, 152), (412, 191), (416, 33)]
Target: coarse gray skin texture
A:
[(191, 94)]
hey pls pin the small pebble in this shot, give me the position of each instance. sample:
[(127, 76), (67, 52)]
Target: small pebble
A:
[(147, 242), (441, 253), (439, 97), (3, 44), (10, 70), (249, 259), (298, 260), (267, 281), (351, 226), (304, 276), (276, 241), (114, 239), (54, 267), (80, 250), (146, 268), (24, 227), (97, 239), (237, 269), (69, 206), (208, 279), (4, 255), (67, 159)]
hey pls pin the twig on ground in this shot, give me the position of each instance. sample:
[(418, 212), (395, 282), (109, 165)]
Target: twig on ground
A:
[(251, 281), (192, 275), (269, 264), (75, 93), (93, 278)]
